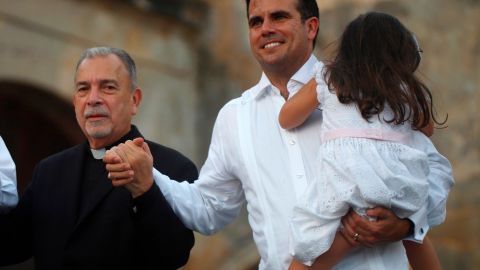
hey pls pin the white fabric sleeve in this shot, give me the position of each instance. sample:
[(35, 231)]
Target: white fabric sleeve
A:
[(8, 179), (313, 228), (215, 199), (440, 181), (322, 88)]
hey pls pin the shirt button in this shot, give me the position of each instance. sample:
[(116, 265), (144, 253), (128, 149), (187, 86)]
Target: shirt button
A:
[(292, 142), (299, 176)]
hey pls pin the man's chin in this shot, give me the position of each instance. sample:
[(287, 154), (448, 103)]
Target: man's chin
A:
[(272, 60), (98, 133)]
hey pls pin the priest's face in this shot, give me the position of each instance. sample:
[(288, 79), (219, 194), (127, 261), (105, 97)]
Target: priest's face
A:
[(104, 100)]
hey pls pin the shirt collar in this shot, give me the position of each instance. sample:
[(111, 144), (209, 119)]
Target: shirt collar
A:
[(302, 76), (100, 153)]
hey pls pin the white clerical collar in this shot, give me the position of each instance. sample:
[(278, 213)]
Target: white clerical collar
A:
[(98, 153)]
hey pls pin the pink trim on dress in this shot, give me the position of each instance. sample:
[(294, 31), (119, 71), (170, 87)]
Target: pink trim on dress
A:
[(367, 133)]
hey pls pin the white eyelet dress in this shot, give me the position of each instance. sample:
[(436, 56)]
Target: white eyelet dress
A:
[(360, 165)]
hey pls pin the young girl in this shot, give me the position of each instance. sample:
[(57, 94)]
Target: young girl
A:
[(372, 103)]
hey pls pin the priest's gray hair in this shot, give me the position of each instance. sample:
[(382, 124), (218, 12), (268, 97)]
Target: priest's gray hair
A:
[(105, 51)]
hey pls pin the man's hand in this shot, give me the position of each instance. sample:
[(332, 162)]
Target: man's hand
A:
[(386, 227), (130, 165), (119, 171)]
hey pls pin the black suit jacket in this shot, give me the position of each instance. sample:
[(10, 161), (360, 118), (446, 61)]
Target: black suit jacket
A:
[(107, 233)]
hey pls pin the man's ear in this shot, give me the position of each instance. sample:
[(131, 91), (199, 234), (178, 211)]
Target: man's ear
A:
[(312, 25), (136, 100)]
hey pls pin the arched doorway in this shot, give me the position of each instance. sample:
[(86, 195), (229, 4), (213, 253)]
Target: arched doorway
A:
[(34, 124)]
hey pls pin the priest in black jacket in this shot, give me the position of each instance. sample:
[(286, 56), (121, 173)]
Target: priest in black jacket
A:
[(72, 216)]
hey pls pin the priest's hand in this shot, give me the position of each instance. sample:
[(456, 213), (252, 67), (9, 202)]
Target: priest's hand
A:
[(130, 165)]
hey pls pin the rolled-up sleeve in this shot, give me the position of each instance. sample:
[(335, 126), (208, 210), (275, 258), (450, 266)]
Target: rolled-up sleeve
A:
[(8, 179), (440, 181)]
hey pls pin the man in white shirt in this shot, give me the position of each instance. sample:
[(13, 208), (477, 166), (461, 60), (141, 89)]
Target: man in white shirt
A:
[(253, 160), (8, 179)]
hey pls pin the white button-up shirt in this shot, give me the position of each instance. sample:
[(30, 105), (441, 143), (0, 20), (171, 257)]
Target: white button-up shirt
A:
[(8, 179), (252, 159)]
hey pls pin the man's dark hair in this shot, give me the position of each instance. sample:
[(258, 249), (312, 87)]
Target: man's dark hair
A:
[(307, 9)]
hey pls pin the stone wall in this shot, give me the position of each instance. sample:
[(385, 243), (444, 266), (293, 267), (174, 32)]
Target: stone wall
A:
[(45, 39)]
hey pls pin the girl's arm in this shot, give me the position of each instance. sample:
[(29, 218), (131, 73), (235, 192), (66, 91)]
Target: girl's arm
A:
[(428, 130), (340, 247), (422, 256), (296, 265), (297, 109)]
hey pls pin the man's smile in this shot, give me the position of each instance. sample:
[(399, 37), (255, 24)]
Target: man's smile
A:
[(272, 45)]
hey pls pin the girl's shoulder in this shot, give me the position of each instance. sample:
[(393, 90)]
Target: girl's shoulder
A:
[(323, 92)]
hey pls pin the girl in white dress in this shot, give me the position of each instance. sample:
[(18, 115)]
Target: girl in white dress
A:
[(371, 103)]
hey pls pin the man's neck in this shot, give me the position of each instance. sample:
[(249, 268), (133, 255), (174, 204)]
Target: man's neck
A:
[(279, 76), (281, 85), (99, 143)]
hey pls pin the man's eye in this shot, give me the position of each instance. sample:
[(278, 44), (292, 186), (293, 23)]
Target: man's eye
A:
[(279, 16), (81, 91), (255, 23)]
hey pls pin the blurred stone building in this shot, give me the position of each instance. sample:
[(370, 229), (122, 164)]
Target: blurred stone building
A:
[(193, 56)]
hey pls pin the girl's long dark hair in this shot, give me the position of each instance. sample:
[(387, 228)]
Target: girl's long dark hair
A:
[(375, 65)]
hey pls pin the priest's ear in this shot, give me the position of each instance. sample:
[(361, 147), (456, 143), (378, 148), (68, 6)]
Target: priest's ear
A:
[(136, 100)]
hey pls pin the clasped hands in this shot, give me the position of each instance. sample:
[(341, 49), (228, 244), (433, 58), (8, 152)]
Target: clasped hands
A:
[(130, 165)]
